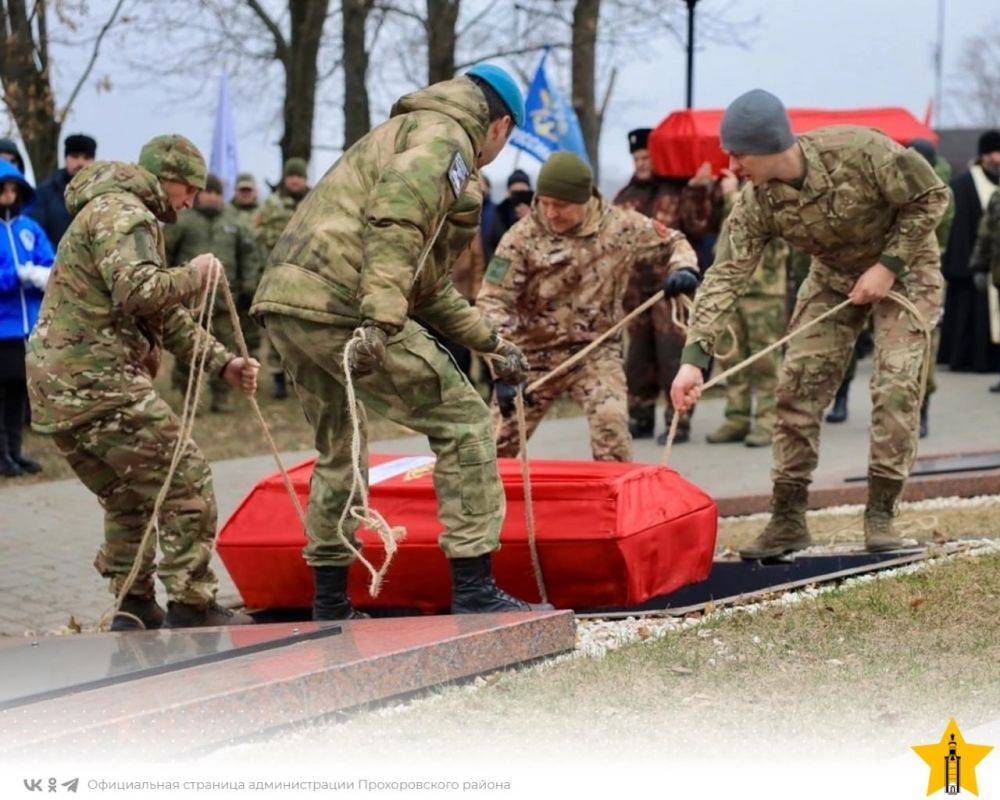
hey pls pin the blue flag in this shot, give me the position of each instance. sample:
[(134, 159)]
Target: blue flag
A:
[(550, 122), (225, 161)]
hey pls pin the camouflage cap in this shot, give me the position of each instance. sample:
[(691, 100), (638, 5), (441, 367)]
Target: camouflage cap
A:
[(174, 158), (296, 166), (246, 180)]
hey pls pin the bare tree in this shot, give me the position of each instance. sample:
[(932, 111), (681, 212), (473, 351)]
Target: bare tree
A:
[(357, 111), (979, 85), (26, 70)]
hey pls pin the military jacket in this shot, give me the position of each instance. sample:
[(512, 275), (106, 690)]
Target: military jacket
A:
[(986, 253), (247, 215), (549, 292), (111, 301), (770, 279), (863, 200), (410, 186), (202, 231), (273, 216)]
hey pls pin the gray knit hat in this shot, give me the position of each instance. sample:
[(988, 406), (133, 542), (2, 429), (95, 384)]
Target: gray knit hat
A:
[(756, 123)]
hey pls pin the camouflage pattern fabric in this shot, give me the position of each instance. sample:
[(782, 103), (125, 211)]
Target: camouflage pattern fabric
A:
[(123, 457), (552, 294), (172, 157), (986, 253), (864, 200), (597, 384), (247, 216), (654, 342), (111, 303), (419, 387), (198, 231), (350, 253)]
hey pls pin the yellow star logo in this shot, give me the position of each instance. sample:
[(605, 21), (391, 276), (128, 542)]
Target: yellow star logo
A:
[(952, 761)]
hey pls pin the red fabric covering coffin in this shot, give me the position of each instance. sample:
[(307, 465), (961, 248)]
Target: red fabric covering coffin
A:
[(608, 535), (687, 139)]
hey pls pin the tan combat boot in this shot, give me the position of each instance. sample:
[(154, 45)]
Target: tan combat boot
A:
[(761, 437), (883, 499), (727, 432), (786, 531)]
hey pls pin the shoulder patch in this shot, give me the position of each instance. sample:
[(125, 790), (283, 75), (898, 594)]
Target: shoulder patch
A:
[(458, 174), (497, 269)]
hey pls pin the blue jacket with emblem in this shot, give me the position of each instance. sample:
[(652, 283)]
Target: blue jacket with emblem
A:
[(25, 262)]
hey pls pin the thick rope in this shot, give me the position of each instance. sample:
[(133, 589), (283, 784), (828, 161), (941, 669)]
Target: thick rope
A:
[(529, 510)]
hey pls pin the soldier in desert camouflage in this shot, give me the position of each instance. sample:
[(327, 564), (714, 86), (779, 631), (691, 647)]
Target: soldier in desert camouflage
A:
[(109, 307), (866, 210), (558, 280)]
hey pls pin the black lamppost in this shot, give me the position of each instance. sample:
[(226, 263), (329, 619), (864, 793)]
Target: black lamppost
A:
[(690, 52)]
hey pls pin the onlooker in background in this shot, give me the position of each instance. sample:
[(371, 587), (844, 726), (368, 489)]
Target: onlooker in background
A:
[(49, 210), (212, 227), (269, 224), (965, 336), (244, 201), (655, 342), (517, 205), (985, 262), (10, 153), (488, 219), (25, 260)]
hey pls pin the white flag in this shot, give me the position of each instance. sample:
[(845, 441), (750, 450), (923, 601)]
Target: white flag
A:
[(224, 163)]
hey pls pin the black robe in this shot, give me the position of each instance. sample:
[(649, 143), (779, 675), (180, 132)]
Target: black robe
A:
[(965, 329)]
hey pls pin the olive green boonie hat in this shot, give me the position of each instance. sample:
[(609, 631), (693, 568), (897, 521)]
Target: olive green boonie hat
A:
[(565, 176), (174, 158), (296, 166)]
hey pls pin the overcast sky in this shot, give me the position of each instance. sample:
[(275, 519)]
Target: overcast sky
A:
[(841, 54)]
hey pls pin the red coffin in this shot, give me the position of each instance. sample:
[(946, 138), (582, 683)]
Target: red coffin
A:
[(687, 139), (609, 535)]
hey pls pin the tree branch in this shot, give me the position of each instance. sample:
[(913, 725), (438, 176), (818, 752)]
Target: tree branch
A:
[(93, 60), (518, 51), (280, 45), (607, 96)]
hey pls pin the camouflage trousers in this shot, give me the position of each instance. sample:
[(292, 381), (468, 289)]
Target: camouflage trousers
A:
[(597, 384), (222, 329), (815, 363), (652, 361), (418, 386), (757, 321), (123, 458)]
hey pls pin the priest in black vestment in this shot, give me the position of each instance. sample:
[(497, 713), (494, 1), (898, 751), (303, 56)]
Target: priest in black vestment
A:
[(965, 329)]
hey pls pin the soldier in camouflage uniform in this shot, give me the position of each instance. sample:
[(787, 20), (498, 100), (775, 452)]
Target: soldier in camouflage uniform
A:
[(269, 224), (369, 248), (757, 320), (110, 306), (212, 227), (866, 210), (556, 282), (244, 203), (985, 261), (654, 341)]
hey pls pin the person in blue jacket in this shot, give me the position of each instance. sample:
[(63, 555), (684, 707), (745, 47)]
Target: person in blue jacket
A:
[(25, 261)]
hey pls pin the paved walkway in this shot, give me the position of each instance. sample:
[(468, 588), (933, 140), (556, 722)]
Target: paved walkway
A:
[(49, 532)]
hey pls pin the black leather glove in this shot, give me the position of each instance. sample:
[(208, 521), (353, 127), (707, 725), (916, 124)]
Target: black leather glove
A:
[(681, 281), (505, 394), (367, 349), (981, 281)]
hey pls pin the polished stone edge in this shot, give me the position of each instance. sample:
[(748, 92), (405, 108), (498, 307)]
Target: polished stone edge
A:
[(917, 488), (171, 715)]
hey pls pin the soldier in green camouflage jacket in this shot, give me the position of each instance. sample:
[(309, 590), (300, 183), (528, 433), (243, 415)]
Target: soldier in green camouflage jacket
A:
[(370, 248), (212, 227), (757, 319), (244, 201), (866, 209), (110, 305), (269, 223)]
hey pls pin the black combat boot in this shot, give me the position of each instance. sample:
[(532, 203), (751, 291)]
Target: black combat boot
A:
[(185, 615), (838, 412), (642, 423), (9, 468), (330, 598), (28, 465), (280, 391), (786, 531), (924, 428), (473, 590), (146, 609)]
